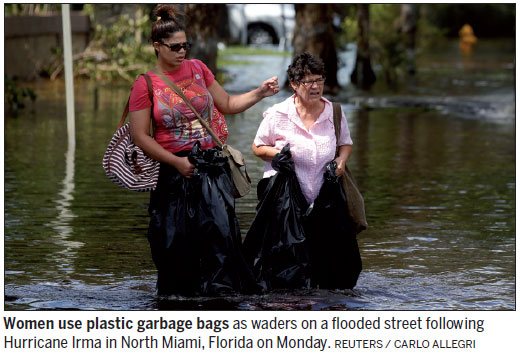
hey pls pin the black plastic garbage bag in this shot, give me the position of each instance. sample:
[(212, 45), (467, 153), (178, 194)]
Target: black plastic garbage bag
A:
[(334, 251), (194, 234), (275, 245)]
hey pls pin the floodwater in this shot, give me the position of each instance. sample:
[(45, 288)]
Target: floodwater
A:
[(435, 161)]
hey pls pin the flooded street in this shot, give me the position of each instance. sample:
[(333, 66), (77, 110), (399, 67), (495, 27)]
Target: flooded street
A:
[(435, 161)]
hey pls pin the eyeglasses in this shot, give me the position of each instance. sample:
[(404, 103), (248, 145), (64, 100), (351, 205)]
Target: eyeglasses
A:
[(310, 83), (177, 46)]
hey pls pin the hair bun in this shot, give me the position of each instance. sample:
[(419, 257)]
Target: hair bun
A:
[(166, 12), (170, 20)]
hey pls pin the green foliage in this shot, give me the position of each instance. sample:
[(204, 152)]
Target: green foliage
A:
[(226, 61), (117, 51), (225, 55), (349, 28), (387, 44), (15, 96), (30, 9), (385, 40), (55, 66), (246, 50), (429, 36)]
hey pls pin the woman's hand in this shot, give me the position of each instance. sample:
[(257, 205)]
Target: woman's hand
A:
[(185, 167), (343, 155), (140, 130), (238, 103), (269, 87), (340, 169)]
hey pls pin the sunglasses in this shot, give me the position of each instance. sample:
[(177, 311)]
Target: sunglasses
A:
[(177, 46)]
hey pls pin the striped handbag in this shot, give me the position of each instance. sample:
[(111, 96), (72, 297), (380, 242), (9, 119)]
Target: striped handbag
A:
[(125, 163)]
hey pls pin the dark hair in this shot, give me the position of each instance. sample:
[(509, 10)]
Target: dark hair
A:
[(305, 64), (169, 20)]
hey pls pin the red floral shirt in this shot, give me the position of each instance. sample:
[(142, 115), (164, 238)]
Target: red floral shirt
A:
[(175, 126)]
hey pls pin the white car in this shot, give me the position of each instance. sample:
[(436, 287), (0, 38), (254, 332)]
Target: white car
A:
[(261, 23)]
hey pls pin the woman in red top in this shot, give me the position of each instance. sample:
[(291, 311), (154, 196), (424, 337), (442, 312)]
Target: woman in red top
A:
[(193, 233)]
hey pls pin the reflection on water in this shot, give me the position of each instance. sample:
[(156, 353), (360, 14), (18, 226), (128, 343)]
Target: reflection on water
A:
[(62, 224), (439, 191)]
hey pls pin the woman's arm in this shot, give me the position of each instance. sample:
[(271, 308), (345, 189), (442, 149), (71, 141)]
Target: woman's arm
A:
[(265, 152), (140, 131), (344, 153), (238, 103)]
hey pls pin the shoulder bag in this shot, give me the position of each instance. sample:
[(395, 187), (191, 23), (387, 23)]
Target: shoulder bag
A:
[(125, 163), (355, 201), (241, 180)]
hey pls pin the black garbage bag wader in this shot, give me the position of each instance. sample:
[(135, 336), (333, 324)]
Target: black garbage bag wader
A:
[(291, 245), (194, 233), (275, 245), (335, 258)]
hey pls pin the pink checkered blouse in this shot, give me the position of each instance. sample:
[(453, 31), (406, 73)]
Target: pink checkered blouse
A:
[(311, 149)]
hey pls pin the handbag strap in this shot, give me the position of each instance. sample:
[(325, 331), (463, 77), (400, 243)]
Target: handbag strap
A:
[(178, 91), (127, 107), (336, 111)]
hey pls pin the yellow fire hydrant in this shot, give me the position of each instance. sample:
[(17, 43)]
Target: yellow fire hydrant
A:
[(467, 39)]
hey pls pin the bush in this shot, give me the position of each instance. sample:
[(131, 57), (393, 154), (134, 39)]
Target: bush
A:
[(116, 52), (15, 96)]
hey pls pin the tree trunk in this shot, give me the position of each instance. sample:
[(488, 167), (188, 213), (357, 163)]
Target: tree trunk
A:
[(363, 76), (313, 33), (202, 26), (408, 27)]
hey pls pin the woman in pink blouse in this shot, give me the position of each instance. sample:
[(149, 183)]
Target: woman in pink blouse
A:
[(304, 124), (193, 233)]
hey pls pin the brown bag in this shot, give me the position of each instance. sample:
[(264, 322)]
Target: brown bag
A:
[(241, 180), (355, 201)]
